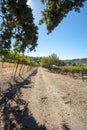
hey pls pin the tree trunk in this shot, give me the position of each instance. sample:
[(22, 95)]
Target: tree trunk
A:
[(21, 69), (16, 70), (13, 70)]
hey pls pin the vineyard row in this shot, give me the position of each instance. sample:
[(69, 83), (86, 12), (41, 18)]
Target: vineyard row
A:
[(75, 72)]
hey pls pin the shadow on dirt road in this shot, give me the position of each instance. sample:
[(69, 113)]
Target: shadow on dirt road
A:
[(14, 110)]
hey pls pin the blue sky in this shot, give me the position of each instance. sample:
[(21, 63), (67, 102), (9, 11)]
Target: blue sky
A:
[(68, 40)]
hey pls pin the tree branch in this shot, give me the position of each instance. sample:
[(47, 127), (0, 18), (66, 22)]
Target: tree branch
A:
[(2, 16)]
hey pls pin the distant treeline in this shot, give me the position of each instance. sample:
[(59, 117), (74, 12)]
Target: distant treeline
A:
[(74, 62)]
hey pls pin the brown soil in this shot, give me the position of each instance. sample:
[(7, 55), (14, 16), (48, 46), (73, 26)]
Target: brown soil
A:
[(41, 100)]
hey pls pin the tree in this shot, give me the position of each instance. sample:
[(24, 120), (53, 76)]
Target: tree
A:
[(56, 10), (50, 60), (17, 24)]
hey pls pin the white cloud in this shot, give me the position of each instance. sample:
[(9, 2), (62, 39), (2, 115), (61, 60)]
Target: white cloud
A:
[(29, 2)]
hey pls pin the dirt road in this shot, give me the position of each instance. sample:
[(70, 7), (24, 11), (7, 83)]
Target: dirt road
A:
[(57, 101), (49, 101)]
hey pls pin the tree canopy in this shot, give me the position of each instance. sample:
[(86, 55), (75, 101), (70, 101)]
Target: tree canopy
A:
[(56, 10), (17, 25), (17, 22)]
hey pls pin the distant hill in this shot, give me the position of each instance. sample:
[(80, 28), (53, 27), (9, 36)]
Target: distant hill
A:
[(82, 61)]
